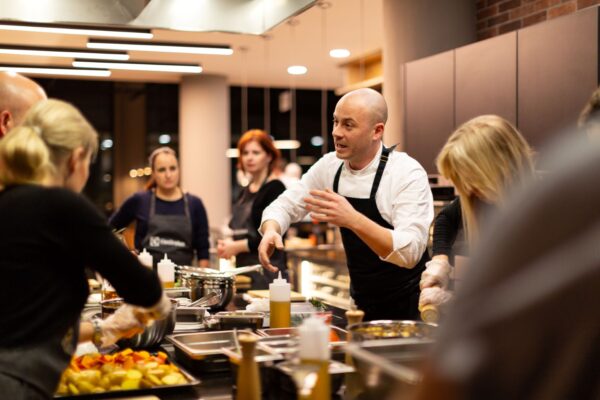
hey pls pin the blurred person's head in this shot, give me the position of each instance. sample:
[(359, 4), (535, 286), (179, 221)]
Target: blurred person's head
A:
[(589, 119), (483, 158), (17, 95), (358, 124), (53, 145), (165, 169), (293, 170), (257, 153)]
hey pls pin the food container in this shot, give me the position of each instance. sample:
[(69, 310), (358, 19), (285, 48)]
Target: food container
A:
[(389, 366), (388, 329), (202, 352), (337, 336), (228, 320), (153, 335)]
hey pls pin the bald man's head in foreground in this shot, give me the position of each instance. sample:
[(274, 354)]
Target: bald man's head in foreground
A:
[(358, 124), (17, 95)]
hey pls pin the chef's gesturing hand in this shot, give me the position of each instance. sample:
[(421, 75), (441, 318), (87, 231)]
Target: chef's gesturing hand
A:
[(328, 206), (271, 240)]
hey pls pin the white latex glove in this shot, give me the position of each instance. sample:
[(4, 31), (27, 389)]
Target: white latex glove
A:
[(434, 296), (124, 322), (437, 273), (157, 312)]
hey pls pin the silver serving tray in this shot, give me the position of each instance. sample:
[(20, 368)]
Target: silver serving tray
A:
[(200, 345), (293, 332)]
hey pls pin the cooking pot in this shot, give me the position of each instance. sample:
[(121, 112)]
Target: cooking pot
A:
[(202, 281)]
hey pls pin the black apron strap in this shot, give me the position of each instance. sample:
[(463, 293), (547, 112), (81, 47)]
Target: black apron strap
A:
[(385, 153), (336, 180)]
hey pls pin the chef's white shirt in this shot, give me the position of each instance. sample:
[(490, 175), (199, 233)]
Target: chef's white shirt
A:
[(403, 199)]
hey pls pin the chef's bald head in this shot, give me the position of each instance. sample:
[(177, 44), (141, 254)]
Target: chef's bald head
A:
[(372, 101), (17, 95)]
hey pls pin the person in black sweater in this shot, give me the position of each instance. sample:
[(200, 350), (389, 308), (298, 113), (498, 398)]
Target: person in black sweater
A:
[(483, 158), (257, 156), (49, 235), (168, 221)]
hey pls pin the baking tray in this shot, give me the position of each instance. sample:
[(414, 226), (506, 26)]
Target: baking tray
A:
[(192, 381)]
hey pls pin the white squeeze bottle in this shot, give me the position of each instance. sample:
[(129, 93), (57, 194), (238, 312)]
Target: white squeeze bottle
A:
[(145, 258), (279, 303), (166, 272), (314, 351)]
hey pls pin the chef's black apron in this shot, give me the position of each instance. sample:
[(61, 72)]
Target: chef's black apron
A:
[(170, 234), (31, 372), (382, 290), (241, 224)]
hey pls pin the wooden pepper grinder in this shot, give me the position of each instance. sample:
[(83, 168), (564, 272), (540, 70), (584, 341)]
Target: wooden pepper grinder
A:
[(248, 378), (353, 384)]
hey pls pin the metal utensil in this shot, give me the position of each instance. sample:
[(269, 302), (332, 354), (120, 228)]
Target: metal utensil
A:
[(209, 300)]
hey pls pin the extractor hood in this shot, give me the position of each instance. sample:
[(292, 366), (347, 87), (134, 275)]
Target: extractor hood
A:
[(238, 16)]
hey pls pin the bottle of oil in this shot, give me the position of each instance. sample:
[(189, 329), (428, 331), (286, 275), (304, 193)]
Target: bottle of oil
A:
[(279, 303), (166, 272), (314, 350), (248, 377)]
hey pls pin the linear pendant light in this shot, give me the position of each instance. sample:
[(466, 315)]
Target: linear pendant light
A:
[(160, 47), (34, 70), (140, 66), (77, 30), (62, 52)]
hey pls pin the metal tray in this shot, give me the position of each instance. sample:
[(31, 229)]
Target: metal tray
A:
[(199, 345), (192, 381), (293, 332)]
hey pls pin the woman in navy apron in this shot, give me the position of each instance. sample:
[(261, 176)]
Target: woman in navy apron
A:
[(257, 156), (168, 221), (49, 235)]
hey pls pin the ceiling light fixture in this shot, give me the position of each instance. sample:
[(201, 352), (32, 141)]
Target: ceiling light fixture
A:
[(297, 70), (33, 70), (339, 53), (77, 30), (160, 47), (62, 52), (138, 66), (280, 144)]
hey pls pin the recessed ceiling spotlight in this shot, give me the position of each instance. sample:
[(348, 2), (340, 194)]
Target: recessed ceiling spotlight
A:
[(339, 53), (297, 70)]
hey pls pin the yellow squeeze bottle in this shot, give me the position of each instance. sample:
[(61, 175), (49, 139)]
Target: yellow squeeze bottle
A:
[(166, 272), (314, 350), (280, 303)]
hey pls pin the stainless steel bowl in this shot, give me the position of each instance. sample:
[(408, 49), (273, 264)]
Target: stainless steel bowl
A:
[(201, 285), (388, 329), (153, 335)]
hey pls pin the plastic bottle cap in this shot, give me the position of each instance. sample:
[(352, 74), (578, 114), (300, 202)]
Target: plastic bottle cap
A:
[(279, 290), (314, 339), (145, 258)]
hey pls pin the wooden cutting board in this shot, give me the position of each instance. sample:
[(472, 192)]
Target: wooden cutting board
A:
[(264, 294)]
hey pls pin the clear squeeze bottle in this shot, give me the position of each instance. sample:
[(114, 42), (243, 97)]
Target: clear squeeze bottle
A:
[(279, 303), (314, 350), (145, 258), (166, 272)]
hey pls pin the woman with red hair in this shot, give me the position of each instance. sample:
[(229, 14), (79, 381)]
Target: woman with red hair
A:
[(257, 158)]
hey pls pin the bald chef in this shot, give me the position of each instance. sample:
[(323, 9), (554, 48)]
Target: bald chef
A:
[(380, 199)]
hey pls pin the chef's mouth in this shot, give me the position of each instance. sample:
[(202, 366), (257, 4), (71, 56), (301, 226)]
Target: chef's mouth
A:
[(340, 146)]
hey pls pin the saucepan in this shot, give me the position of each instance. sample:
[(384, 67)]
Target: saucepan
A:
[(202, 281)]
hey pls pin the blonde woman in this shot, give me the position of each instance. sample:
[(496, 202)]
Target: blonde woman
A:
[(49, 235), (483, 158)]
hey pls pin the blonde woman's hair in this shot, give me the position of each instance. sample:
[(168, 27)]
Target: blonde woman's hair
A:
[(39, 148), (483, 158)]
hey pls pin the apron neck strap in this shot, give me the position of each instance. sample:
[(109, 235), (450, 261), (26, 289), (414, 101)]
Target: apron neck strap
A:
[(186, 205)]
